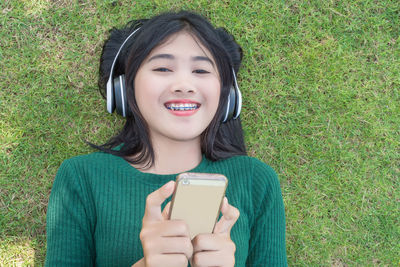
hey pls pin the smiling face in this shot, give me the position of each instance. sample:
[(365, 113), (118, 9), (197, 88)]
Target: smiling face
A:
[(177, 89)]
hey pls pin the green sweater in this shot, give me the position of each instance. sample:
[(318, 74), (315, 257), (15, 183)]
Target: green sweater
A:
[(97, 203)]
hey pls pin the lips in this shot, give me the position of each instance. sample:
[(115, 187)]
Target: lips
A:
[(182, 107)]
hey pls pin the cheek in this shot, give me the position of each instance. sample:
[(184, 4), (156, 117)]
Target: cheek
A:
[(141, 100), (145, 91), (214, 94)]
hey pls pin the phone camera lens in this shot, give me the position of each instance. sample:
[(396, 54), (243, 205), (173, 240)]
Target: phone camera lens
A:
[(185, 182)]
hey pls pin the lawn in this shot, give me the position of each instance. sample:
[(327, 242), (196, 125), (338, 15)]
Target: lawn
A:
[(321, 88)]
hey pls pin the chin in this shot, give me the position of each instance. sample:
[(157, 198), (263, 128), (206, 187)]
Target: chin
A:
[(185, 136)]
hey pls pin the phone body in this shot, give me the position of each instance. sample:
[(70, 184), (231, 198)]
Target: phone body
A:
[(197, 200)]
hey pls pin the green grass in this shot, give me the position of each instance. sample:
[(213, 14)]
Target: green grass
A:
[(320, 81)]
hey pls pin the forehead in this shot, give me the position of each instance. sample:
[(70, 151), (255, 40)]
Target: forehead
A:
[(182, 44)]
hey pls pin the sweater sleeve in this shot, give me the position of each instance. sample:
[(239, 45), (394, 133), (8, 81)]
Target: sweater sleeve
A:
[(267, 242), (69, 221)]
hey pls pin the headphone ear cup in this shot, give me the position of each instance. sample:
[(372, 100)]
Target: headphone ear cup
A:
[(238, 97), (230, 107), (238, 103), (234, 105), (121, 102), (110, 96)]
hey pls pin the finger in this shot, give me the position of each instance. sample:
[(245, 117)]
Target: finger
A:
[(213, 258), (207, 242), (165, 212), (212, 242), (173, 228), (230, 214), (177, 245), (155, 199), (167, 260)]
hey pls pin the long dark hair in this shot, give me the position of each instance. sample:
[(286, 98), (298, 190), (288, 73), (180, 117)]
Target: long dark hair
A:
[(219, 140)]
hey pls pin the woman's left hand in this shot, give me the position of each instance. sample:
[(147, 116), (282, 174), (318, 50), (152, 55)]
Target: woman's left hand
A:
[(217, 249)]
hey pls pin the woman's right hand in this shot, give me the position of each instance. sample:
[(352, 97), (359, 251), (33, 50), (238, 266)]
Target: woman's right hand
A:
[(165, 242)]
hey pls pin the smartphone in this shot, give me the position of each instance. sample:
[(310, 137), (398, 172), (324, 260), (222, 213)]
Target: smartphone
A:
[(197, 200)]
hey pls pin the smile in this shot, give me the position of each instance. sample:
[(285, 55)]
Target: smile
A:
[(182, 106)]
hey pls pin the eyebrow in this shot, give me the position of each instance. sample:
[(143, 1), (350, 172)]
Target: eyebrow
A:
[(169, 56), (202, 58)]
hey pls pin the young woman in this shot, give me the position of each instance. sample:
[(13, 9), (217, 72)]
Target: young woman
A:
[(174, 79)]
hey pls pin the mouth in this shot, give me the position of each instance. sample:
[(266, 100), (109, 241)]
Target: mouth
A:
[(180, 106)]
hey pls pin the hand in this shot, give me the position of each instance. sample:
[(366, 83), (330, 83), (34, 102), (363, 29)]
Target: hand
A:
[(165, 242), (217, 249)]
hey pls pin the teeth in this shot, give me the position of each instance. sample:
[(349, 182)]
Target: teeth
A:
[(181, 106)]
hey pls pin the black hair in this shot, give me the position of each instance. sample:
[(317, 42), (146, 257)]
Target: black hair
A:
[(219, 140)]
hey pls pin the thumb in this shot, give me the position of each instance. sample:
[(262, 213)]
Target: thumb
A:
[(165, 212), (230, 214), (154, 200)]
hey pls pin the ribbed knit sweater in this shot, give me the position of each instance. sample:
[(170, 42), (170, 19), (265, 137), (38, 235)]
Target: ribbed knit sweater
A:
[(97, 204)]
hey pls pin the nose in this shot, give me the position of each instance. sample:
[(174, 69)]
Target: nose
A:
[(183, 89), (183, 84)]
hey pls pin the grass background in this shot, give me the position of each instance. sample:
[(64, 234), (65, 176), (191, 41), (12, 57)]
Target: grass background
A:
[(320, 81)]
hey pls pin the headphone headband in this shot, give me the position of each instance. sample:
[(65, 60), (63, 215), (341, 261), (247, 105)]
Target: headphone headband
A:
[(110, 93)]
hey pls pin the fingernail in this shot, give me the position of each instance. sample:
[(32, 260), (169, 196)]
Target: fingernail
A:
[(225, 200)]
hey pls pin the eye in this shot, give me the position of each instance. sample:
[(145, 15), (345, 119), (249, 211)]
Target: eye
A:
[(162, 70), (200, 71)]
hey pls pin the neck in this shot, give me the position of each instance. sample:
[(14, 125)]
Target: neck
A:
[(174, 156)]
